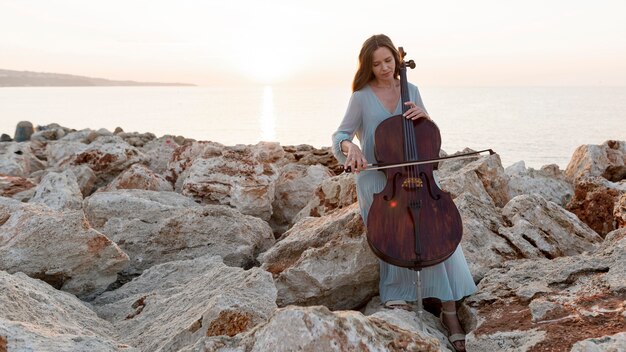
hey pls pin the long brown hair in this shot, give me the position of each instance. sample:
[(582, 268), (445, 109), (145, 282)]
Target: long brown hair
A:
[(364, 73)]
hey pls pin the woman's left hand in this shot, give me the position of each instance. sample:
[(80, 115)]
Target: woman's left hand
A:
[(414, 112)]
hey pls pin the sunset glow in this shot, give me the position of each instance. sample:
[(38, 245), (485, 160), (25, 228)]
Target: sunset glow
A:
[(455, 43)]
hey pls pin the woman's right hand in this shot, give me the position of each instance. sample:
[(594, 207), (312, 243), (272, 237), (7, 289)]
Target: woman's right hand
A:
[(355, 158)]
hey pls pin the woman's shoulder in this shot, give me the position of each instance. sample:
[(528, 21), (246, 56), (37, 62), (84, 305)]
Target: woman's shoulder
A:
[(412, 86), (362, 90), (361, 93)]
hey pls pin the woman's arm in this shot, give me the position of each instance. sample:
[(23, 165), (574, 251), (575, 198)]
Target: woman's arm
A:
[(351, 123)]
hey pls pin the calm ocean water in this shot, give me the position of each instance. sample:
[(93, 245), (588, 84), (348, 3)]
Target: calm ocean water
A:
[(537, 125)]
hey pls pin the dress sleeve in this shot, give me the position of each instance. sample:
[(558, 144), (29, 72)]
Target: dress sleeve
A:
[(418, 98), (351, 122)]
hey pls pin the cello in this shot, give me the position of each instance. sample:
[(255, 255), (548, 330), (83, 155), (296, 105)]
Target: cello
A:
[(411, 223)]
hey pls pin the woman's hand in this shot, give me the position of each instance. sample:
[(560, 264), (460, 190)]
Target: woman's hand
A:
[(355, 158), (414, 112)]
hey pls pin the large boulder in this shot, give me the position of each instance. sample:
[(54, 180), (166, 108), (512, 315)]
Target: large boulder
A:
[(543, 304), (335, 192), (11, 185), (242, 177), (324, 261), (108, 156), (60, 154), (148, 206), (85, 177), (59, 191), (157, 227), (527, 227), (410, 320), (548, 182), (305, 154), (294, 188), (312, 329), (139, 176), (607, 160), (36, 317), (17, 159), (52, 133), (594, 201), (81, 136), (540, 226), (173, 305), (136, 139), (160, 152), (57, 247), (483, 244), (484, 177), (182, 158)]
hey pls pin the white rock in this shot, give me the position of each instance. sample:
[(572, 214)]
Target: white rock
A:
[(183, 157), (85, 177), (139, 177), (108, 156), (59, 191), (541, 307), (324, 261), (484, 178), (335, 192), (613, 343), (482, 243), (312, 329), (507, 341), (546, 226), (173, 305), (57, 247), (11, 185), (547, 182), (148, 206), (77, 136), (528, 302), (60, 153), (17, 159), (238, 176), (294, 189), (157, 227), (160, 152), (408, 320), (607, 160), (36, 317)]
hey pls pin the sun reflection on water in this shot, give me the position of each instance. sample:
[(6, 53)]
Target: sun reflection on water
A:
[(267, 119)]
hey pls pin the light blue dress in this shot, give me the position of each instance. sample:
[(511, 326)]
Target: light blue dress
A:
[(449, 280)]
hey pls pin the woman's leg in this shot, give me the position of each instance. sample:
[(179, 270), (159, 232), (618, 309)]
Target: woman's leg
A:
[(451, 321)]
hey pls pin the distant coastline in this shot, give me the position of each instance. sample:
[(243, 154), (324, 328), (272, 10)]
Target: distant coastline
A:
[(9, 78)]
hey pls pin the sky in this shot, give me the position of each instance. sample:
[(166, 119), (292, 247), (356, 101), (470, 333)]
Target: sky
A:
[(454, 43)]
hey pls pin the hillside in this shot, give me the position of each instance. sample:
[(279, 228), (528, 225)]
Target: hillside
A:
[(9, 78)]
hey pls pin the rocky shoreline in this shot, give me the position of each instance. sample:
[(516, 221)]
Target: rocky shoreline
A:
[(114, 241)]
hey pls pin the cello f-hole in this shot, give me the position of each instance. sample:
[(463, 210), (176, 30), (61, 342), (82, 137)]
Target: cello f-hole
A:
[(386, 197), (430, 191)]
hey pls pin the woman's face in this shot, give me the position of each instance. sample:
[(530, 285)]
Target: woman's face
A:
[(383, 64)]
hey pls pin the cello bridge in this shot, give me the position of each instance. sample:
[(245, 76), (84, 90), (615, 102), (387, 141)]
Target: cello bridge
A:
[(412, 182)]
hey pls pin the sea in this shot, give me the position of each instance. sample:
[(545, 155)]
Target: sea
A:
[(537, 125)]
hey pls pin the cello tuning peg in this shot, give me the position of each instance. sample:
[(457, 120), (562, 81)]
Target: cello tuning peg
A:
[(411, 64)]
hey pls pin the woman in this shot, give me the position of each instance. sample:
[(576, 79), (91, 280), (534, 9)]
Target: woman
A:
[(376, 97)]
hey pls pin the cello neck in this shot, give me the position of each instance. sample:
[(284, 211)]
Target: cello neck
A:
[(410, 151), (404, 84)]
